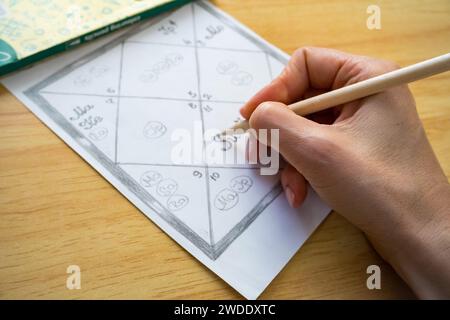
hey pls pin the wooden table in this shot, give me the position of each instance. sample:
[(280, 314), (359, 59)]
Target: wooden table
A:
[(57, 211)]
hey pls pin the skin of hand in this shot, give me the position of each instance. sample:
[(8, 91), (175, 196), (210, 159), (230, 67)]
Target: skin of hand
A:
[(369, 160)]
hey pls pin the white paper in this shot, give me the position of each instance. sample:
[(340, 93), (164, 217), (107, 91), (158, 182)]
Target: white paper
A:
[(118, 101)]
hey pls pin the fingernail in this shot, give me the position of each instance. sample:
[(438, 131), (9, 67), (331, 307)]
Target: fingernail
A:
[(290, 196)]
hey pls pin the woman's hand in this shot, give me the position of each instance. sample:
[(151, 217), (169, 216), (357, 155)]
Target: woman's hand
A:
[(370, 160)]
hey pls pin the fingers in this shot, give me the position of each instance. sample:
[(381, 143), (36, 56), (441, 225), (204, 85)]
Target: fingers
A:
[(294, 186), (300, 141), (319, 69), (276, 115), (308, 68), (293, 183)]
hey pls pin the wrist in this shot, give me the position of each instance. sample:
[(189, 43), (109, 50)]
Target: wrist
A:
[(420, 252)]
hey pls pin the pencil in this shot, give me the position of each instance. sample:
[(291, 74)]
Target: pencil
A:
[(362, 89)]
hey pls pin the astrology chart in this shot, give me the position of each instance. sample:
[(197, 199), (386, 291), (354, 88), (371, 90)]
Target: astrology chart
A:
[(191, 71)]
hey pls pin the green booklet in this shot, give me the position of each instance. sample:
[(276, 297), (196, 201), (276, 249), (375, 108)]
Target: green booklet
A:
[(35, 29)]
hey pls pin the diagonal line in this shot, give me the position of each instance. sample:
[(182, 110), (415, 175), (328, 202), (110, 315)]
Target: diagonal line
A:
[(118, 101)]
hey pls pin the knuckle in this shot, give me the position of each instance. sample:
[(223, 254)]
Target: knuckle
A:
[(378, 67), (364, 68), (259, 117), (355, 70), (299, 52), (304, 50)]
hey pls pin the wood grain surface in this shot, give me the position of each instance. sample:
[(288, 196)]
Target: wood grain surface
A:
[(55, 210)]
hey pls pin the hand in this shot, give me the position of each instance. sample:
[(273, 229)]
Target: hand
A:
[(370, 160)]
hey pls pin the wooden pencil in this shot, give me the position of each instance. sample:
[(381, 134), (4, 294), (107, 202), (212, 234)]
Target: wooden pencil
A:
[(362, 89)]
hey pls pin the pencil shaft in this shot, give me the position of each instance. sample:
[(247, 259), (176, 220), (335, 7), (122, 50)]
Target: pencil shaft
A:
[(366, 88), (373, 85)]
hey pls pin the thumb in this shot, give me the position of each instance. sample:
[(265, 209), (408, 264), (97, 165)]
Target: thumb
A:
[(305, 144)]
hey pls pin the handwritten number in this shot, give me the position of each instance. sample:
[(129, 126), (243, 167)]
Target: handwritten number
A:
[(214, 176), (197, 174), (206, 96)]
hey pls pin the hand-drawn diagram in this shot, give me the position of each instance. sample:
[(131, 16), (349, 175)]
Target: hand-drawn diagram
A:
[(122, 102), (85, 79), (99, 134), (154, 129), (162, 66), (228, 198), (165, 188), (238, 77)]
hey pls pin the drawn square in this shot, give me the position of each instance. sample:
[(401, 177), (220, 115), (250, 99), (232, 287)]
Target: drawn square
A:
[(234, 195), (159, 71), (231, 75), (99, 76), (177, 189), (149, 133), (93, 116), (163, 89)]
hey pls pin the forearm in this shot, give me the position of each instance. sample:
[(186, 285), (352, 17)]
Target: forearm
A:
[(421, 254)]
